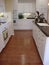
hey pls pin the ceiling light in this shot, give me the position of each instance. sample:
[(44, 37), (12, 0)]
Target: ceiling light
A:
[(48, 4)]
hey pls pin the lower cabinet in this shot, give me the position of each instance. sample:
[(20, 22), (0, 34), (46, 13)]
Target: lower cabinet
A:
[(5, 34), (23, 24), (1, 42), (40, 40)]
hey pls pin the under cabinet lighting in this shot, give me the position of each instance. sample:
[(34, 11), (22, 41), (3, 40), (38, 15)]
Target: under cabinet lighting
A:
[(1, 15)]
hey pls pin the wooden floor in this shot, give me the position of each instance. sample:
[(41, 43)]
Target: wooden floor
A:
[(20, 50)]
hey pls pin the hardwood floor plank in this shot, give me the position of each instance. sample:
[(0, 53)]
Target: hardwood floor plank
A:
[(20, 50)]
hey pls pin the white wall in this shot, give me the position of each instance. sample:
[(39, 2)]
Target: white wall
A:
[(29, 3), (2, 6), (15, 4), (23, 7), (26, 7), (41, 6), (9, 5), (48, 12)]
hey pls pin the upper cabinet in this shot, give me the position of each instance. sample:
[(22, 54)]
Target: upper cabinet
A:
[(2, 6)]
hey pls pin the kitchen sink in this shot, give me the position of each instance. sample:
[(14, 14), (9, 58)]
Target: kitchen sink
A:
[(43, 24)]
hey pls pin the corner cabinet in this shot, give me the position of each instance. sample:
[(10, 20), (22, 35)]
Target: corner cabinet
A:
[(42, 43)]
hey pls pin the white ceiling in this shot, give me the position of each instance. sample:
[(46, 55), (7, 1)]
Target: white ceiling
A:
[(26, 1)]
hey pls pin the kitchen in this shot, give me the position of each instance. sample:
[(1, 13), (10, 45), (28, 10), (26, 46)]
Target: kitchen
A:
[(24, 37)]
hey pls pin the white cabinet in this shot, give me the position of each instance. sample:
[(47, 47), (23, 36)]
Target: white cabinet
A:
[(3, 27), (23, 24), (41, 43), (9, 27), (1, 42), (40, 40)]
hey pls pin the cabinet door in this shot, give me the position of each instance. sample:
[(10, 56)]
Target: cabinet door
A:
[(35, 35), (35, 32), (9, 29), (41, 50), (1, 42), (41, 44)]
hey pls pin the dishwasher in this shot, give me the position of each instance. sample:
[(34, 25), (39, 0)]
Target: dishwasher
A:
[(5, 34)]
